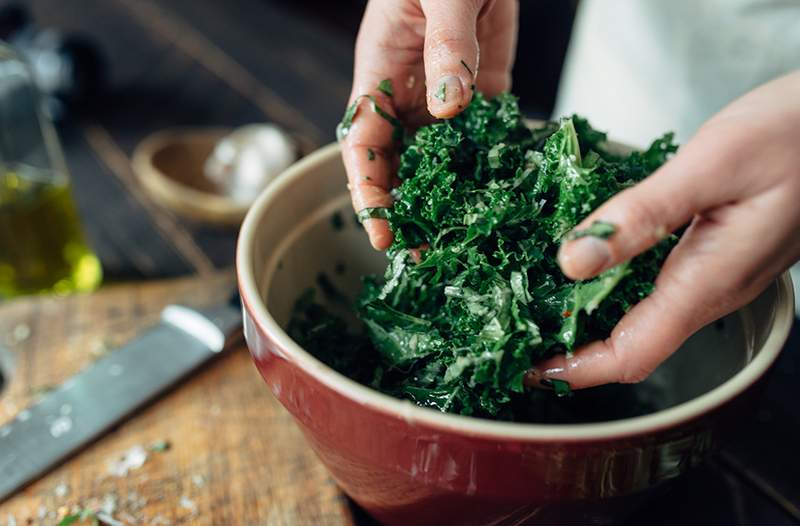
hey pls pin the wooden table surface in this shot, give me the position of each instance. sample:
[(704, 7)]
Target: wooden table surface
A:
[(234, 456)]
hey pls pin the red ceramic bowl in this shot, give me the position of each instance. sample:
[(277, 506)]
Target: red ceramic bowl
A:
[(408, 465)]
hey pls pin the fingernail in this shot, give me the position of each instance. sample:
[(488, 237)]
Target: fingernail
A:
[(447, 94), (379, 234), (542, 379), (584, 257)]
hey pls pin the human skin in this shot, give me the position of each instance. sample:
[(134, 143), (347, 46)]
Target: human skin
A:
[(419, 45), (736, 183)]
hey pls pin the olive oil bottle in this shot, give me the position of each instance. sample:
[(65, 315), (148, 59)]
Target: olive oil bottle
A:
[(42, 246)]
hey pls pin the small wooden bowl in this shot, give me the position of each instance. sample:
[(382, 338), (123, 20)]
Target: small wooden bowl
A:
[(170, 163)]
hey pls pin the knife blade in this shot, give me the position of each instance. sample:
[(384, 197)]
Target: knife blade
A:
[(92, 401)]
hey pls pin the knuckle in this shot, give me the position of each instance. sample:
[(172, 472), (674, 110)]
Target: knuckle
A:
[(634, 375), (631, 370), (447, 39), (643, 226)]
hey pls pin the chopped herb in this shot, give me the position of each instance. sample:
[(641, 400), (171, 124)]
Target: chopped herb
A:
[(466, 67), (456, 327), (373, 213), (600, 229), (370, 155), (70, 519), (561, 387), (329, 289), (343, 128), (159, 446), (441, 93), (336, 221), (385, 87), (86, 514), (41, 390)]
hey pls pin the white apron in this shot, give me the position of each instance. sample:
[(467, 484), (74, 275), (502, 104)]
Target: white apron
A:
[(639, 68)]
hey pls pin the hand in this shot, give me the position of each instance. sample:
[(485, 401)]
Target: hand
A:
[(737, 184), (432, 52)]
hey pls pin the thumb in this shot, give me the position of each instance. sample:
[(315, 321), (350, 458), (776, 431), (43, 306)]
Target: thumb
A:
[(647, 212), (451, 54)]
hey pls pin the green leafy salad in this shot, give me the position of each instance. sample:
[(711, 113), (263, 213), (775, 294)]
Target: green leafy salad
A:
[(489, 200)]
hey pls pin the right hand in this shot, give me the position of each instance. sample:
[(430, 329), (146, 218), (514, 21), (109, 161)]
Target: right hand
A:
[(419, 45)]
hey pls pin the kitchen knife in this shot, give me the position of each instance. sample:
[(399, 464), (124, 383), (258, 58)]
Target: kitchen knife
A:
[(93, 400)]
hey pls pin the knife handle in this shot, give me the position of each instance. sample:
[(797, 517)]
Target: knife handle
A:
[(218, 327)]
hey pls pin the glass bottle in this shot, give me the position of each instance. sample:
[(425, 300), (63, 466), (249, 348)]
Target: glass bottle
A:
[(42, 246)]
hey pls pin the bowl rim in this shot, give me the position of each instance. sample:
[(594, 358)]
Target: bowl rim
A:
[(254, 305)]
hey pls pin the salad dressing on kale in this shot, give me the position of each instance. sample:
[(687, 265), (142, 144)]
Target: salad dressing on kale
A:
[(490, 200)]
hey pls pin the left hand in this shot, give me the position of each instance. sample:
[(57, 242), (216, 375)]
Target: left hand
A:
[(737, 184)]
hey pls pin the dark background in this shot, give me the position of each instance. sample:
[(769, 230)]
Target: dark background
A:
[(211, 63), (196, 63)]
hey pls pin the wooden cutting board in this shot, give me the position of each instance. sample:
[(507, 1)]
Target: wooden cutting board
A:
[(234, 455)]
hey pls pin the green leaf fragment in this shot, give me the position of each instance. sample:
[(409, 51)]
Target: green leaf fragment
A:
[(336, 221), (343, 128), (70, 519), (561, 388), (441, 93), (159, 446), (370, 154), (600, 229), (373, 213), (385, 87)]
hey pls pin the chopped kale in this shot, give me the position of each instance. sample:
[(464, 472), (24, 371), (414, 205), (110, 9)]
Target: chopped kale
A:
[(473, 296), (600, 229), (441, 93), (373, 213), (561, 387), (343, 128), (385, 87), (336, 221), (160, 446)]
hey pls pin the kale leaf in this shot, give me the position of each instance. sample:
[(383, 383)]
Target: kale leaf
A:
[(488, 200)]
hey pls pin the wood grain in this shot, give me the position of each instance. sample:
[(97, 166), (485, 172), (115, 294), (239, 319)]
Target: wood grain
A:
[(235, 456)]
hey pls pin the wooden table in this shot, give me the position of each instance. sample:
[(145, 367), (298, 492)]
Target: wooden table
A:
[(234, 455)]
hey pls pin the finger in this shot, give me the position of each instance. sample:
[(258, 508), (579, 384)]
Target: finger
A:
[(698, 284), (497, 38), (368, 152), (451, 54), (644, 214)]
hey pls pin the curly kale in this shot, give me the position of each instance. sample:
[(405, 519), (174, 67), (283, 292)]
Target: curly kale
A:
[(490, 200)]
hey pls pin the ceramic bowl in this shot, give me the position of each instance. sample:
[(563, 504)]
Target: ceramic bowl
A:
[(407, 465)]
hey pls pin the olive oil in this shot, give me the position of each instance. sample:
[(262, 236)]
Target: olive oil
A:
[(42, 246)]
